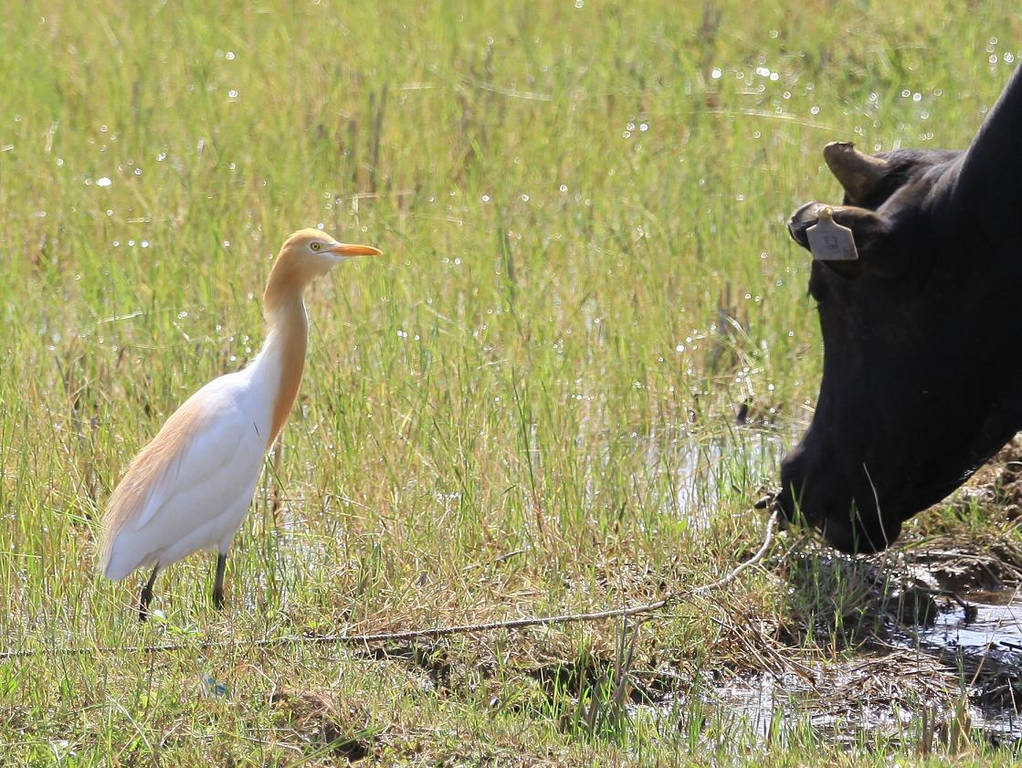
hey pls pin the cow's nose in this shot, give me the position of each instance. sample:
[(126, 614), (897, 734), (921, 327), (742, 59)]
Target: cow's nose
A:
[(809, 485)]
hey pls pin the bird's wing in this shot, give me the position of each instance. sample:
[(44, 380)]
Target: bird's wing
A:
[(191, 457), (201, 439)]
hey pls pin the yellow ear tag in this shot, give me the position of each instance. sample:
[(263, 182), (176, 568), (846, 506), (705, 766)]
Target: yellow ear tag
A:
[(829, 241)]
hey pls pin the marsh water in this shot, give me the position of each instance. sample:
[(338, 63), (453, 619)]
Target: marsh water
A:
[(988, 632), (908, 693), (909, 685), (995, 619)]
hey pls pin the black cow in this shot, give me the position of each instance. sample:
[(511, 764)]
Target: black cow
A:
[(922, 381)]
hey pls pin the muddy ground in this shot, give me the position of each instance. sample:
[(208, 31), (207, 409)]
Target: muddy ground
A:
[(929, 631)]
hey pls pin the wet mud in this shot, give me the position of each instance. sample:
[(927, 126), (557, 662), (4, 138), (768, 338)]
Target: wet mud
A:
[(925, 639)]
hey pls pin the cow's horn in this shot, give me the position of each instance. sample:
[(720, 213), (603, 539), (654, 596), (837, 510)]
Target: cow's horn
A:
[(859, 174)]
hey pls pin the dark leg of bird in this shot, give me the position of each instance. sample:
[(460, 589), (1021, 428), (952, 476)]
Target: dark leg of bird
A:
[(147, 595), (218, 583)]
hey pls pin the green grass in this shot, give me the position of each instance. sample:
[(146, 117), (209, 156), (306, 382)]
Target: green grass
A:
[(497, 415)]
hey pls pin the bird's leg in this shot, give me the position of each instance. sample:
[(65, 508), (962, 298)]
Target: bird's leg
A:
[(147, 595), (218, 583)]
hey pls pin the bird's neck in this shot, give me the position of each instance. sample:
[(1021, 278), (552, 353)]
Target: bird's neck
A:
[(285, 345)]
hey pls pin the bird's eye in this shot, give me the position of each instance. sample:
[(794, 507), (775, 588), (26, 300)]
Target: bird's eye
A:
[(314, 246)]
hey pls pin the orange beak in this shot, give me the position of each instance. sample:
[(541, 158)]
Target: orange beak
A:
[(345, 249)]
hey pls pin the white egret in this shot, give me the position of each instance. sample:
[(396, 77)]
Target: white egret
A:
[(190, 487)]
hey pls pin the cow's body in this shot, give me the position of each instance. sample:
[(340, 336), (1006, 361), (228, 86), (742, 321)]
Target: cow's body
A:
[(922, 378)]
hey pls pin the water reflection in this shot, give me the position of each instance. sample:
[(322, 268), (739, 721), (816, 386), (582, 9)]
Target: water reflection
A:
[(699, 472), (984, 641), (997, 620)]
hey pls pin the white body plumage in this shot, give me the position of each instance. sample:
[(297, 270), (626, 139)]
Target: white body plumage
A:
[(203, 488)]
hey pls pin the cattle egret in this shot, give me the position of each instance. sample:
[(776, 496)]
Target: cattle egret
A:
[(190, 487)]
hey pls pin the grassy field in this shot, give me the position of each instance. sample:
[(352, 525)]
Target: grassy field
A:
[(527, 406)]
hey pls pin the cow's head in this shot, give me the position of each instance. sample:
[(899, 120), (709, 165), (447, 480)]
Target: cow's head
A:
[(922, 365)]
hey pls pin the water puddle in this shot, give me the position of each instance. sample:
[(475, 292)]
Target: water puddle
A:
[(929, 650), (694, 475), (993, 619), (984, 642), (909, 692), (707, 470), (838, 706)]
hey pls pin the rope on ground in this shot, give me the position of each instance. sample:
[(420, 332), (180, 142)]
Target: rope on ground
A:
[(416, 634)]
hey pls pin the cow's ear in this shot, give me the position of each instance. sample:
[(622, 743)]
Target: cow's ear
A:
[(861, 175), (869, 228), (870, 231)]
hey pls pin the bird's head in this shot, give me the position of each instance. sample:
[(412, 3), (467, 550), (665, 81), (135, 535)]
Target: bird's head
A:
[(314, 253), (306, 255)]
